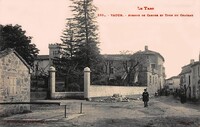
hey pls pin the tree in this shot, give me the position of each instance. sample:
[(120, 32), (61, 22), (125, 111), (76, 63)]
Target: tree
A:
[(14, 37), (85, 34), (132, 67), (81, 39), (69, 40)]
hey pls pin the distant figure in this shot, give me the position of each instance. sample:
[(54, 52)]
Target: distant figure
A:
[(145, 97), (182, 96)]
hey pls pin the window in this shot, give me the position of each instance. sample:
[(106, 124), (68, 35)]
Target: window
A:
[(153, 79), (150, 79), (189, 79)]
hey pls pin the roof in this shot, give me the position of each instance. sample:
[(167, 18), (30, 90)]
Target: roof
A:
[(117, 56), (186, 69), (195, 63), (9, 51), (149, 52)]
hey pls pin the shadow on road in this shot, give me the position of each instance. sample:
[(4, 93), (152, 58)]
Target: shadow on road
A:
[(170, 100)]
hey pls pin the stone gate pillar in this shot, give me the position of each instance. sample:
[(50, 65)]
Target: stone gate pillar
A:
[(52, 81), (86, 82)]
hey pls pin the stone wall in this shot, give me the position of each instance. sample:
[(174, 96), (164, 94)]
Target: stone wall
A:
[(14, 84), (39, 95)]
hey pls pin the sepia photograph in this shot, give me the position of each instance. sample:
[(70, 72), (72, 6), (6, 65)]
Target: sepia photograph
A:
[(99, 63)]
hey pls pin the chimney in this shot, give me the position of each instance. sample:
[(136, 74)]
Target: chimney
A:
[(192, 61), (146, 48)]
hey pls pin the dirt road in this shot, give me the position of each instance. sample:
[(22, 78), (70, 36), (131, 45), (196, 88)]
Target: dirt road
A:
[(162, 112)]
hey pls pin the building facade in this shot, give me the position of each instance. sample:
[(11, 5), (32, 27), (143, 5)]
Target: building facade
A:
[(56, 51), (14, 82), (41, 65), (148, 71), (195, 77), (151, 70), (143, 68), (172, 84), (43, 62), (185, 79), (114, 66), (190, 79)]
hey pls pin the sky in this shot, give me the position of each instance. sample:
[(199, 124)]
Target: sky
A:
[(176, 38)]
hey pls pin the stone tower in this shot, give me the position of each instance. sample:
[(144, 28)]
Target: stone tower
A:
[(56, 50)]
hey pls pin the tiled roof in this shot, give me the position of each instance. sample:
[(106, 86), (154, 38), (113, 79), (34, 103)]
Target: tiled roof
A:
[(149, 52), (186, 69), (195, 63)]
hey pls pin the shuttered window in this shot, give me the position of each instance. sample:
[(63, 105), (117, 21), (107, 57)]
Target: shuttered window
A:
[(12, 86)]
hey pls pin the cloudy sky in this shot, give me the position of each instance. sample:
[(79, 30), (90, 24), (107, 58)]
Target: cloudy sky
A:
[(177, 38)]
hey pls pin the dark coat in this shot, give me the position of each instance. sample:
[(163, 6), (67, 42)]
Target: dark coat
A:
[(145, 96)]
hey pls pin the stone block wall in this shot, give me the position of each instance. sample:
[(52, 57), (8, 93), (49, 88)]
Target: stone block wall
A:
[(14, 84)]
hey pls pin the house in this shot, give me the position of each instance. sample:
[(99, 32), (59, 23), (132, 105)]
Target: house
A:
[(195, 76), (14, 82), (119, 68), (39, 81), (152, 70), (149, 72), (43, 62), (41, 65), (114, 66), (190, 79), (172, 84), (185, 79), (56, 50)]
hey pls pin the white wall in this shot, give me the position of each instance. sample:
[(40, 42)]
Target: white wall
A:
[(58, 95), (102, 91)]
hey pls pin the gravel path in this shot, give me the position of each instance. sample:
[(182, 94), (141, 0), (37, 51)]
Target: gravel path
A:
[(162, 112)]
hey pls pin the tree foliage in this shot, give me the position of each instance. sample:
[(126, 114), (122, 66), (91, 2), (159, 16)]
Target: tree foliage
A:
[(81, 39), (123, 71), (14, 37), (85, 33), (132, 67)]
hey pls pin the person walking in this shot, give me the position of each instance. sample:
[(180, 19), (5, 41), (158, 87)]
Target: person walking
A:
[(145, 97)]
